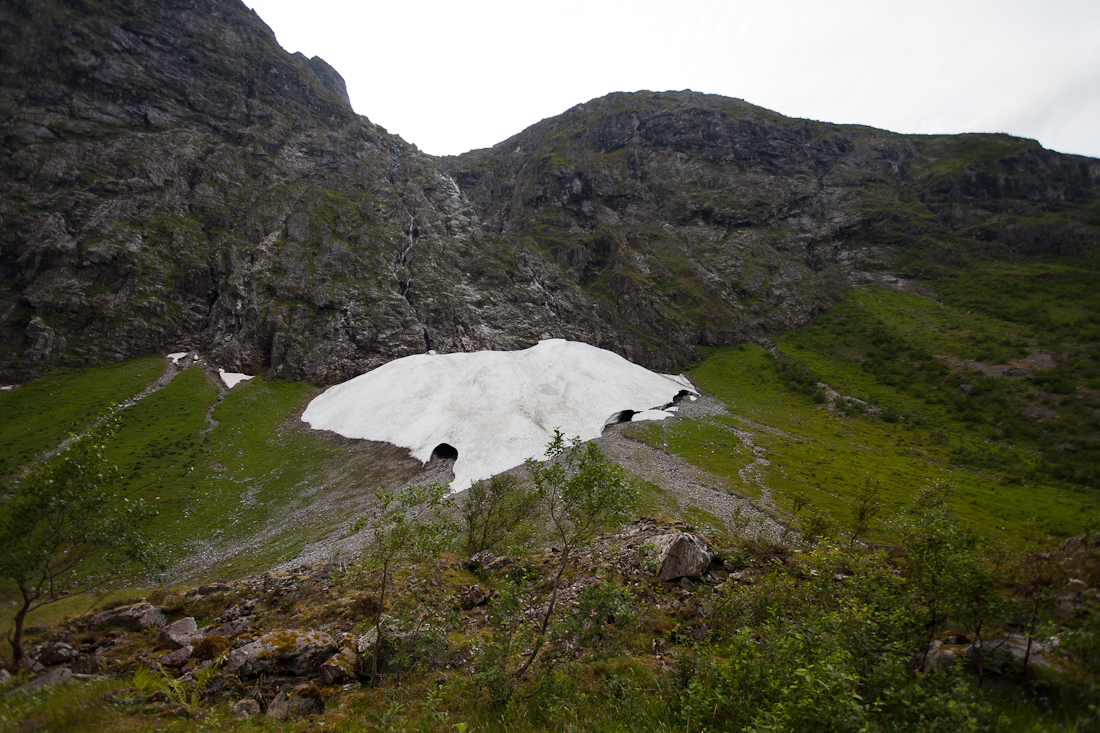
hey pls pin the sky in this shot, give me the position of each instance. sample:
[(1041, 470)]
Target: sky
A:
[(455, 76)]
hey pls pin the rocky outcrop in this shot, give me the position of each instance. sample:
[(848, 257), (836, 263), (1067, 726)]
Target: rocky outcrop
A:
[(681, 555), (172, 180), (287, 651)]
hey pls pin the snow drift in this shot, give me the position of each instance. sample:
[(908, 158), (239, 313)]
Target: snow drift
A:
[(495, 408)]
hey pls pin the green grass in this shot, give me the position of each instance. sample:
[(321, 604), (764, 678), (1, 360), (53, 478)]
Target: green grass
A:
[(828, 457), (42, 413), (254, 468)]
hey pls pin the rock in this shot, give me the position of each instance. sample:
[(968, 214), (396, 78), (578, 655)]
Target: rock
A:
[(205, 590), (341, 667), (90, 663), (176, 658), (471, 597), (239, 626), (682, 555), (137, 617), (54, 677), (55, 653), (279, 709), (211, 647), (305, 700), (244, 709), (475, 562), (180, 633), (287, 651)]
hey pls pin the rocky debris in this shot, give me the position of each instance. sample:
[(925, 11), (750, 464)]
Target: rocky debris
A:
[(485, 562), (286, 651), (55, 653), (244, 709), (180, 633), (681, 555), (210, 589), (136, 617), (471, 596)]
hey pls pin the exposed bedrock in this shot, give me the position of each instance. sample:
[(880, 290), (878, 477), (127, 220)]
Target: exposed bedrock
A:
[(171, 179)]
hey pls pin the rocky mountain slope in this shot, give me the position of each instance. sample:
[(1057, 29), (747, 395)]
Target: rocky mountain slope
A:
[(171, 179)]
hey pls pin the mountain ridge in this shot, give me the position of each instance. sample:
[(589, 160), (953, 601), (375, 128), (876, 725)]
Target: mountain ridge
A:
[(174, 180)]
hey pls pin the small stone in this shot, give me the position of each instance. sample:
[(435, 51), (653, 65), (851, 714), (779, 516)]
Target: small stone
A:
[(176, 658), (246, 708), (279, 709)]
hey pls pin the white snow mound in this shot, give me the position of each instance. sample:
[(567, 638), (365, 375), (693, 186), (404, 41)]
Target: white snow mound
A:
[(231, 379), (496, 408)]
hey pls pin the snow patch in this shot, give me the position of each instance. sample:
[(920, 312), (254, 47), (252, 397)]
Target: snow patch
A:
[(494, 408), (232, 379), (650, 415), (177, 356)]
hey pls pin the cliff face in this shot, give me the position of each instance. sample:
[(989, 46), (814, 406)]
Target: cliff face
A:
[(171, 178)]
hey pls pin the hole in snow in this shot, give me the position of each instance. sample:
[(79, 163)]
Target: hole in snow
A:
[(445, 451), (681, 395), (618, 417)]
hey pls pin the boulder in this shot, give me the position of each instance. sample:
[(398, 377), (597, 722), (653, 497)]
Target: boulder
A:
[(180, 633), (305, 700), (343, 666), (176, 658), (55, 653), (279, 709), (287, 651), (681, 555), (246, 708), (211, 647), (469, 598), (57, 676), (137, 617)]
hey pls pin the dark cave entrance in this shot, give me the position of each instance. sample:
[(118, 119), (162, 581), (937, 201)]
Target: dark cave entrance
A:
[(445, 451), (618, 417)]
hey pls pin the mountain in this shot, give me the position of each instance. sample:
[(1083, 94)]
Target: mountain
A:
[(171, 179)]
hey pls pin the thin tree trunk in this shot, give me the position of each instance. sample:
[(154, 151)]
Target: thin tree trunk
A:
[(549, 611), (16, 635), (378, 628)]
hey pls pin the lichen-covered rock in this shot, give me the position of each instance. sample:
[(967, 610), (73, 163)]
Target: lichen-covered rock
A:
[(211, 647), (305, 700), (136, 617), (341, 667), (287, 651), (246, 708), (682, 555)]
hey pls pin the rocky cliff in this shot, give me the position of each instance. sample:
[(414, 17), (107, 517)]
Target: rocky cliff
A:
[(171, 179)]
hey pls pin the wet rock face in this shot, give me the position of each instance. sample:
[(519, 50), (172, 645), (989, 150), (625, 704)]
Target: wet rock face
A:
[(171, 179)]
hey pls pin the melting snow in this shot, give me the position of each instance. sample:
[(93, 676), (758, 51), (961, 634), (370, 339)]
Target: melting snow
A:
[(177, 356), (497, 408), (232, 379)]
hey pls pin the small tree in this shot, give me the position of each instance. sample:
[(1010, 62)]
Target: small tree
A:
[(494, 510), (63, 531), (405, 524), (580, 491), (866, 508)]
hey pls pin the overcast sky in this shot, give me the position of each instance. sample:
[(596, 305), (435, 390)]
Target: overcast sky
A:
[(453, 76)]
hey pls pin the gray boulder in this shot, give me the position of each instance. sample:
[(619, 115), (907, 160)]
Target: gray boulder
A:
[(287, 651), (681, 555), (180, 633), (137, 617)]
